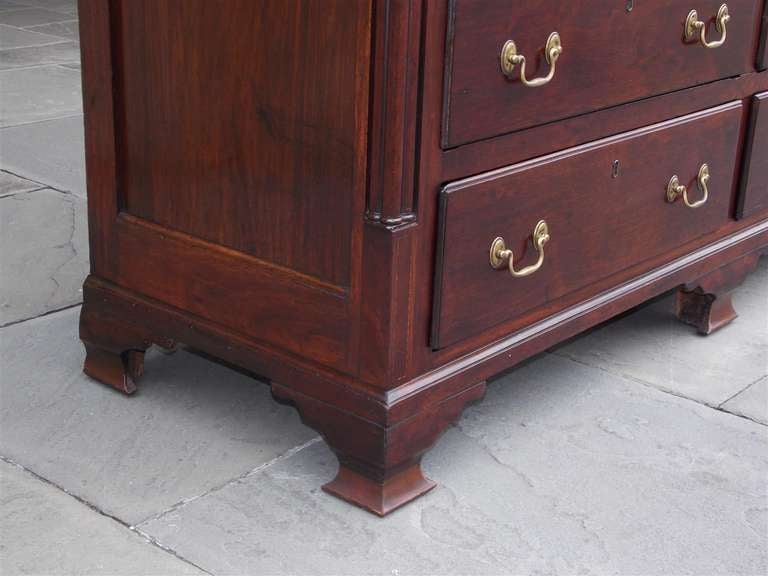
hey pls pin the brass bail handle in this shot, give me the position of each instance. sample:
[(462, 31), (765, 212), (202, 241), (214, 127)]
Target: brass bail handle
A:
[(502, 257), (510, 58), (676, 190), (694, 27)]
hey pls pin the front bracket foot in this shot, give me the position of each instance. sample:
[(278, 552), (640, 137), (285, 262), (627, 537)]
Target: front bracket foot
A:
[(379, 496), (120, 371), (379, 462), (706, 303)]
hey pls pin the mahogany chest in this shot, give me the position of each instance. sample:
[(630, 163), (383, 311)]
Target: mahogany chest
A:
[(377, 205)]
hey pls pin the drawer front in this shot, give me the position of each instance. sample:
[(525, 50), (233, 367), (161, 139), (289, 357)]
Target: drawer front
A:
[(609, 56), (753, 196), (606, 208)]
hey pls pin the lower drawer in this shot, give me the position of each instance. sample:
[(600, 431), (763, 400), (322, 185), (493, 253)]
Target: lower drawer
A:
[(753, 197), (607, 205)]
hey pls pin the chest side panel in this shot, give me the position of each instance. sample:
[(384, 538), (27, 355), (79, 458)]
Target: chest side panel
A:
[(224, 134), (226, 151)]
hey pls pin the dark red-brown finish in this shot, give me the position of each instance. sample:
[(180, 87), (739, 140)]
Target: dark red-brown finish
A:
[(610, 56), (706, 303), (606, 208), (240, 183), (248, 158), (762, 50), (753, 197), (263, 185), (120, 370), (379, 466)]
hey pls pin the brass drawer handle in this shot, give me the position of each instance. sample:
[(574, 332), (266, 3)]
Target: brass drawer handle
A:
[(510, 58), (502, 257), (675, 190), (693, 26)]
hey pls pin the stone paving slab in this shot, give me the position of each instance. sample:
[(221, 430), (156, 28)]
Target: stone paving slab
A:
[(43, 253), (191, 426), (69, 29), (6, 5), (26, 17), (51, 152), (562, 469), (751, 403), (11, 37), (45, 531), (65, 53), (653, 346), (11, 184), (39, 93), (66, 6)]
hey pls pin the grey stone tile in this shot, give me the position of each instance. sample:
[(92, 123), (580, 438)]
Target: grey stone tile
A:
[(752, 402), (66, 6), (11, 37), (6, 5), (51, 152), (10, 184), (31, 17), (191, 426), (562, 469), (65, 53), (41, 93), (43, 253), (653, 346), (45, 531), (69, 29)]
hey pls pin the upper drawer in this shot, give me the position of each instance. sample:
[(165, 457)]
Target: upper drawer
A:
[(610, 55), (605, 204)]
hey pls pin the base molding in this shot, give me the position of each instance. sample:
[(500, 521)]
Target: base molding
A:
[(379, 436), (496, 357)]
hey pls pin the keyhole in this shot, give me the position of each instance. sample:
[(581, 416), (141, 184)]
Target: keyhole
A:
[(616, 169)]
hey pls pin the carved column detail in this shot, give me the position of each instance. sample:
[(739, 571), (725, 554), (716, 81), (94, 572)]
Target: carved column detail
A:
[(392, 192)]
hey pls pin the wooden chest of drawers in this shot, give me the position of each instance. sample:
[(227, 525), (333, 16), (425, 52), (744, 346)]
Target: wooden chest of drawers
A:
[(379, 205)]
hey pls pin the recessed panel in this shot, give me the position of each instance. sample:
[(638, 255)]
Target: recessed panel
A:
[(242, 123)]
